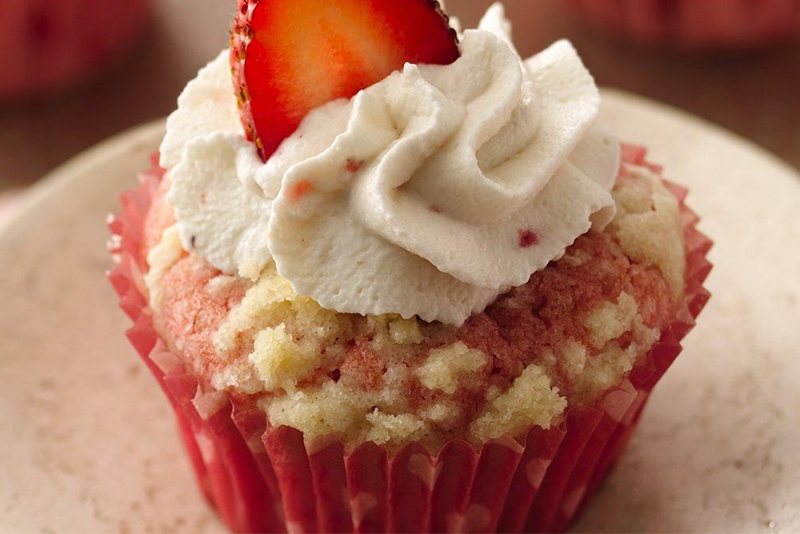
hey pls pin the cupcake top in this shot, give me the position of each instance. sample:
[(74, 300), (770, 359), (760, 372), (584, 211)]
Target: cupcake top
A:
[(572, 331), (453, 251), (427, 194)]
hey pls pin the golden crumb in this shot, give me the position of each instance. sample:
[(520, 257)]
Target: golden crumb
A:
[(394, 429), (238, 375), (442, 413), (266, 296), (573, 359), (330, 410), (272, 302), (648, 225), (530, 401), (347, 414), (446, 365), (610, 320), (250, 271), (594, 369), (280, 361), (405, 331), (160, 258)]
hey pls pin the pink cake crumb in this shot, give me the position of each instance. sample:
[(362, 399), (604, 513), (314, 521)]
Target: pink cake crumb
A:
[(192, 314)]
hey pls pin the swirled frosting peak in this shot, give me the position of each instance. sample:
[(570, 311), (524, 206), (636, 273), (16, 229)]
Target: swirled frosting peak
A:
[(427, 194)]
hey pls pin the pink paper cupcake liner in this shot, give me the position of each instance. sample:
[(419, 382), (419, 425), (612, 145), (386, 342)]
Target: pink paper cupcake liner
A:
[(694, 23), (47, 45), (264, 479)]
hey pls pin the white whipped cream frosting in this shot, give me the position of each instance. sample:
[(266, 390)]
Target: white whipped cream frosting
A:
[(427, 194)]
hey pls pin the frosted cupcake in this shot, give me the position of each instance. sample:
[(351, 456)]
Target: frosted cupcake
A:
[(421, 289), (706, 24), (48, 45)]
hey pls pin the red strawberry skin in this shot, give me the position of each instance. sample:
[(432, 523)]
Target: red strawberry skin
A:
[(291, 56)]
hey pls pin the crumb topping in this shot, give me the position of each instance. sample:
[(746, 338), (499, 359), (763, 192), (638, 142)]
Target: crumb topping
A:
[(282, 362), (446, 365), (610, 320), (575, 329), (647, 224), (530, 401)]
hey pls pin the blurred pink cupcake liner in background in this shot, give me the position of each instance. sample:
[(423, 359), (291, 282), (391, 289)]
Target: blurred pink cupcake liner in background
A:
[(50, 45), (694, 24), (263, 479)]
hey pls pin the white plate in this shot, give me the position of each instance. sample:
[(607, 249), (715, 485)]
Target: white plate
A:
[(87, 441)]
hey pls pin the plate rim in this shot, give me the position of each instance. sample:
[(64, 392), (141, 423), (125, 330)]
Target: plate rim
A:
[(75, 168)]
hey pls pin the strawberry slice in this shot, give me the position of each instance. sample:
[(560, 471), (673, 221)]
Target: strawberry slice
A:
[(291, 56)]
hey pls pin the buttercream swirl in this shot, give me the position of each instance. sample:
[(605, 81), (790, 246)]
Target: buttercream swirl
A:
[(427, 194)]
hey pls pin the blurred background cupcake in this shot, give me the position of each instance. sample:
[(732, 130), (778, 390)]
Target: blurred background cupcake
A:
[(49, 45), (706, 24), (75, 72)]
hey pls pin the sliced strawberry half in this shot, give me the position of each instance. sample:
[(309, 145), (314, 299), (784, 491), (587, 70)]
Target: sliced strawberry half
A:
[(291, 56)]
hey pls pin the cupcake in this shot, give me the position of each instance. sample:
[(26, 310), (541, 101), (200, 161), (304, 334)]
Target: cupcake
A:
[(394, 278), (46, 46), (709, 24)]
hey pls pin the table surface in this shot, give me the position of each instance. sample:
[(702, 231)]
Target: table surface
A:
[(754, 95)]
